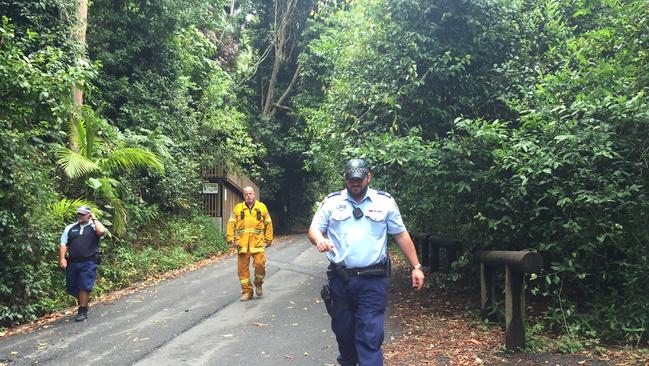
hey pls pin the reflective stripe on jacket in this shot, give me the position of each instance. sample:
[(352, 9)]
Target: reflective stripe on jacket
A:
[(250, 228)]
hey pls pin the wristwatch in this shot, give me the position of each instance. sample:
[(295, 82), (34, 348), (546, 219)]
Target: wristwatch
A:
[(418, 266)]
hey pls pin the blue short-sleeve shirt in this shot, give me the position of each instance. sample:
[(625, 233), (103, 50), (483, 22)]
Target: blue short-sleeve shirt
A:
[(358, 242)]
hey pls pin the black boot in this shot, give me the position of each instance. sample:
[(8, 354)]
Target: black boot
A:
[(82, 314)]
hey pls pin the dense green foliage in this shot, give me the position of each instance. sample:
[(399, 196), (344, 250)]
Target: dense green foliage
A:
[(35, 74), (544, 146), (155, 96), (161, 76), (164, 244), (506, 124)]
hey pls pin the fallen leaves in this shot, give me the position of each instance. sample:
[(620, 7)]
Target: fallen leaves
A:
[(475, 341), (435, 328)]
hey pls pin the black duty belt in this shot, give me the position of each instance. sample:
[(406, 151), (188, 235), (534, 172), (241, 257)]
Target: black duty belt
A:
[(377, 270)]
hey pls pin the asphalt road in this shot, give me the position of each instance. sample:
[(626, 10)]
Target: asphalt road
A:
[(197, 319)]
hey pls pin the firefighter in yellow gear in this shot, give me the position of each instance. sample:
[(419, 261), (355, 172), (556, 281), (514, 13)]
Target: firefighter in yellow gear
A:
[(251, 230)]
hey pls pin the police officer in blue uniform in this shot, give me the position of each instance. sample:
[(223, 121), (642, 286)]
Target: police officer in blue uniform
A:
[(352, 227), (80, 241)]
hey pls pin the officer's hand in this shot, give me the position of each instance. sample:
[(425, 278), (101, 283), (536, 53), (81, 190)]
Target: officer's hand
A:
[(232, 243), (324, 245), (268, 243), (417, 279), (63, 263)]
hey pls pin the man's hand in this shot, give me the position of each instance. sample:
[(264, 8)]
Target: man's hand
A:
[(324, 245), (232, 243), (268, 243), (63, 263), (417, 279)]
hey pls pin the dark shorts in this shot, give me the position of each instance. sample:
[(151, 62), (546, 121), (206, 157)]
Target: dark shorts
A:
[(80, 276)]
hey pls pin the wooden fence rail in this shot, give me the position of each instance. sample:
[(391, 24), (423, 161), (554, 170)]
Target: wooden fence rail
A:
[(516, 265), (428, 250)]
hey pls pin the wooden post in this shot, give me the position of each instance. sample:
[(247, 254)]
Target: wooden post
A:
[(419, 239), (434, 257), (487, 290), (425, 252), (451, 254), (516, 265), (514, 309)]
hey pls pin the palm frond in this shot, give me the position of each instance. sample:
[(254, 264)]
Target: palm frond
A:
[(128, 158), (107, 188), (77, 133), (93, 123), (74, 164), (119, 220)]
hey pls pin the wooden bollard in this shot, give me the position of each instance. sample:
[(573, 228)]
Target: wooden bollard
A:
[(516, 265)]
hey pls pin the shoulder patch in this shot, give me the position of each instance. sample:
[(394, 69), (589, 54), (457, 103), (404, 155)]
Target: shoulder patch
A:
[(332, 194), (383, 193)]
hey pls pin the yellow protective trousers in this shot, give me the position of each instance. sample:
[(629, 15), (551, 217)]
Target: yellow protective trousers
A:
[(243, 267)]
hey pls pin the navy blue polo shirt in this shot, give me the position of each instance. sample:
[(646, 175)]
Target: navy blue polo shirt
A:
[(82, 241)]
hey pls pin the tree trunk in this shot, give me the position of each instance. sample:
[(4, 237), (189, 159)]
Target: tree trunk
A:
[(277, 63), (281, 99), (284, 10), (82, 25), (77, 94)]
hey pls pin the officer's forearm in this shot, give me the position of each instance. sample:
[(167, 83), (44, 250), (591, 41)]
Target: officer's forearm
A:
[(315, 236), (407, 247)]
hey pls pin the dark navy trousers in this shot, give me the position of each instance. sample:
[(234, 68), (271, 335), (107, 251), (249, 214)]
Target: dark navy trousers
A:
[(358, 320)]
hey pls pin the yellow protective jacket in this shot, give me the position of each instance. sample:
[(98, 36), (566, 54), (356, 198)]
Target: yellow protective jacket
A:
[(251, 229)]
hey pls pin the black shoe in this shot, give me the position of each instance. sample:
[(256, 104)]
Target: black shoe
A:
[(82, 314)]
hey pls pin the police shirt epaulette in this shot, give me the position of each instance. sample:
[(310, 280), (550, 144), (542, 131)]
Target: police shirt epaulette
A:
[(333, 194), (384, 194)]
